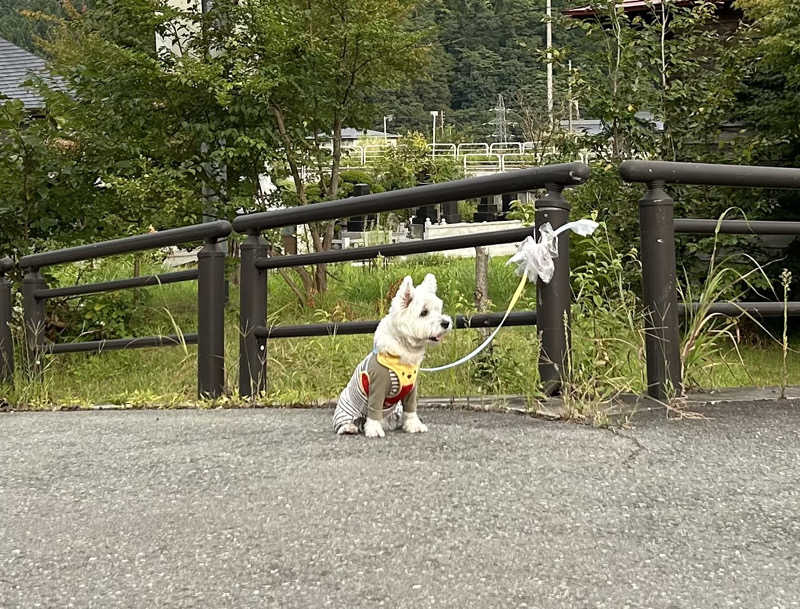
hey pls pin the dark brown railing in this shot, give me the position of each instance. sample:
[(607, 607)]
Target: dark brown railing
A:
[(658, 228), (210, 275), (553, 303)]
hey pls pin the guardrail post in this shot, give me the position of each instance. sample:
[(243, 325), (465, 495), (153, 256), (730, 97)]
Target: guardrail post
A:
[(211, 320), (33, 319), (659, 288), (553, 299), (6, 345), (252, 314)]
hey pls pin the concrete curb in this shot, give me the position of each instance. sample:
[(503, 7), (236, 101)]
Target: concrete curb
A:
[(552, 409)]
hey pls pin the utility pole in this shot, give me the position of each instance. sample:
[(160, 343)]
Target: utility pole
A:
[(501, 125), (389, 118), (434, 114), (550, 63), (569, 94), (211, 169)]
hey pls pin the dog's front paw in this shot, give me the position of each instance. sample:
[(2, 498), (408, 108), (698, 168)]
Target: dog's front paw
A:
[(373, 429), (412, 424)]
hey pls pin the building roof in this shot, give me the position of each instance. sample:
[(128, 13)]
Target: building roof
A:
[(585, 126), (594, 126), (18, 65), (629, 6), (349, 133)]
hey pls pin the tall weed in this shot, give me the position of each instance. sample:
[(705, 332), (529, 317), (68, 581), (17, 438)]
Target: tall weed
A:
[(607, 328), (709, 336)]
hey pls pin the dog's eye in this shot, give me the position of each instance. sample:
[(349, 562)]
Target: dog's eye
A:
[(424, 313)]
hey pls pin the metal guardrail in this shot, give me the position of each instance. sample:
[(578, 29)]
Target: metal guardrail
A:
[(472, 148), (564, 174), (476, 158), (398, 249), (210, 276), (505, 148), (443, 149), (710, 174), (118, 284), (553, 303), (483, 163), (737, 227), (488, 320), (658, 228), (517, 161), (758, 309), (374, 153), (125, 245), (171, 340)]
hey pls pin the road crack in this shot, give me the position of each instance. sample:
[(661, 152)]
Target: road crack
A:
[(638, 446)]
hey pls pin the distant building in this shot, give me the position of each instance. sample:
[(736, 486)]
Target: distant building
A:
[(16, 67), (728, 15), (629, 6), (351, 136), (583, 126)]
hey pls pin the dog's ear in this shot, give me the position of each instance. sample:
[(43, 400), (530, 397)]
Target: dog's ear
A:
[(405, 294), (429, 284)]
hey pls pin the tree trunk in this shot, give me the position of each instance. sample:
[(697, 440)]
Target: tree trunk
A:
[(481, 278), (482, 282), (137, 270)]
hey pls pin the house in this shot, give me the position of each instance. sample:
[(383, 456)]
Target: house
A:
[(728, 15), (16, 67), (350, 136), (628, 6)]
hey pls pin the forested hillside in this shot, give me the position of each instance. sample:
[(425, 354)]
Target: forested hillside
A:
[(19, 28), (480, 49)]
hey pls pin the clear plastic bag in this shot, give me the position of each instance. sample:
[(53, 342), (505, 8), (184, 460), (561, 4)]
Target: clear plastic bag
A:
[(537, 259)]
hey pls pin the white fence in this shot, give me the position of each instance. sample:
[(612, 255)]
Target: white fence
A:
[(476, 164), (443, 149), (505, 147), (477, 158), (472, 148)]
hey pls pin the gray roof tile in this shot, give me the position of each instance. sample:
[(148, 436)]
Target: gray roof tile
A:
[(16, 66)]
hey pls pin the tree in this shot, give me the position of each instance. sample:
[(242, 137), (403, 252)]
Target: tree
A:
[(22, 31), (771, 100), (662, 82), (247, 88), (410, 163), (324, 61), (44, 194), (480, 48), (155, 125)]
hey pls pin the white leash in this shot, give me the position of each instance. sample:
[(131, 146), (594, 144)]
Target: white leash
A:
[(535, 261)]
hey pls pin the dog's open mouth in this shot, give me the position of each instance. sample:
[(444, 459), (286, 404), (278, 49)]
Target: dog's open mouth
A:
[(435, 339)]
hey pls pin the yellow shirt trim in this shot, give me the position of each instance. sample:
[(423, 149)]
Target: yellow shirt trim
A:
[(407, 374)]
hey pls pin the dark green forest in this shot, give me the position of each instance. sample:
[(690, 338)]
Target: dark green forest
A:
[(479, 49)]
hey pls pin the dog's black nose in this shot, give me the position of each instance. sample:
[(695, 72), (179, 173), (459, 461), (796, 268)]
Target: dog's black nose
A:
[(445, 323)]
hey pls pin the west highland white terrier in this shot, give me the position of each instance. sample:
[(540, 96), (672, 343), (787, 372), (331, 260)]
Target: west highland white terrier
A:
[(383, 390)]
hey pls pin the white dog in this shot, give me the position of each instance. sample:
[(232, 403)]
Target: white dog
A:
[(383, 389)]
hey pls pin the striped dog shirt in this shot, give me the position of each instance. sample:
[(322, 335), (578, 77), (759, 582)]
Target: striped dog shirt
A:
[(382, 388)]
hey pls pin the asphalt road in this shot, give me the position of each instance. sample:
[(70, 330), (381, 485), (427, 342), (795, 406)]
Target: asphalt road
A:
[(267, 508)]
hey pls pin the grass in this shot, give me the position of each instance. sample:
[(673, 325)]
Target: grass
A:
[(607, 357)]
